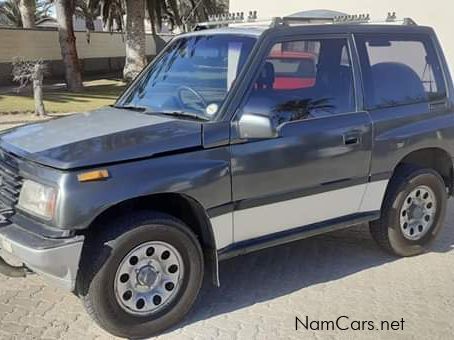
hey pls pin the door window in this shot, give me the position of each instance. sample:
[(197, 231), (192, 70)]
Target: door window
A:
[(303, 79), (399, 70)]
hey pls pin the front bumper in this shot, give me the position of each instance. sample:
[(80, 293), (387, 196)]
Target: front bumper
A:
[(56, 259)]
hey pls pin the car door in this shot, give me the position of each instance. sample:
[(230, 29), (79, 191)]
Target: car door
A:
[(406, 96), (313, 166)]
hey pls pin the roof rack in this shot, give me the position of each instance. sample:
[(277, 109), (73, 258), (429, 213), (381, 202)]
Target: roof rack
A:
[(239, 19), (356, 18), (232, 17), (365, 19), (225, 19), (345, 19)]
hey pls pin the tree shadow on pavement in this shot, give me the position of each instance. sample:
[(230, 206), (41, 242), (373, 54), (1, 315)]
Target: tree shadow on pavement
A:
[(282, 270)]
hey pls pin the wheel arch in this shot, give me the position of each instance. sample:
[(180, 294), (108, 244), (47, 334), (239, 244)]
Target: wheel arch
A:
[(181, 206), (434, 158)]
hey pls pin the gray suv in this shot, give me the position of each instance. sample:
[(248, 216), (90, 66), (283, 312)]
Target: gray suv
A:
[(230, 141)]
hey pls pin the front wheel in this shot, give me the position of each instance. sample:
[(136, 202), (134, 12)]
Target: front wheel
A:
[(143, 276), (413, 212)]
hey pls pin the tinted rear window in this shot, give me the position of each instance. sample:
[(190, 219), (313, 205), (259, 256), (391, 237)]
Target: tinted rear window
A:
[(399, 70)]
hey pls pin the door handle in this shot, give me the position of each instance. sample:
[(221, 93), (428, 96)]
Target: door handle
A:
[(352, 139)]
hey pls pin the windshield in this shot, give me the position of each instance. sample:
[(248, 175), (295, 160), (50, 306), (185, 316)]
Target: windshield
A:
[(193, 76)]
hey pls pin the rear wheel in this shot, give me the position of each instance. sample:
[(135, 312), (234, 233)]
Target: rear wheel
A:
[(142, 276), (413, 212)]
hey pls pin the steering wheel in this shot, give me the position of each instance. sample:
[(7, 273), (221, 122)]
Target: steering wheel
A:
[(184, 88)]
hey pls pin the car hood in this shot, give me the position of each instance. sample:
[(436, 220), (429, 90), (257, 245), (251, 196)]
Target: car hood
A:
[(99, 137)]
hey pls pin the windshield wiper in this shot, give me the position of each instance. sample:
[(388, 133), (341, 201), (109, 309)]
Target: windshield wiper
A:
[(131, 107), (184, 115), (168, 113)]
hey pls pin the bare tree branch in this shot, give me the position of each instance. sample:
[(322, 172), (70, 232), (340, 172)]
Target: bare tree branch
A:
[(31, 71)]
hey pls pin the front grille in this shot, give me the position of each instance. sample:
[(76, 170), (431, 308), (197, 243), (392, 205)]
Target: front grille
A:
[(10, 181)]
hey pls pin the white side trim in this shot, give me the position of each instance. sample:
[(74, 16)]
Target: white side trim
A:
[(271, 218), (276, 217), (223, 230), (373, 197)]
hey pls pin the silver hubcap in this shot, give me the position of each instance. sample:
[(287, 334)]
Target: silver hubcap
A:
[(148, 278), (418, 213)]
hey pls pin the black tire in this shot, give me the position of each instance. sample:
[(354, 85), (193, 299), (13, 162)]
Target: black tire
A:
[(387, 231), (104, 252)]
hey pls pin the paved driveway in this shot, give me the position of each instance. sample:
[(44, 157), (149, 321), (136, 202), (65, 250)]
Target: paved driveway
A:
[(323, 278)]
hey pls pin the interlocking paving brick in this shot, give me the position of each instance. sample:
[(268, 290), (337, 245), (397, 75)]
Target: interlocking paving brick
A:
[(342, 273)]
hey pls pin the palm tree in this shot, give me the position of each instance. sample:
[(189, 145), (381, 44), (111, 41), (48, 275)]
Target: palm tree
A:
[(11, 15), (112, 12), (135, 39), (199, 10), (27, 10), (65, 10), (157, 10), (85, 11)]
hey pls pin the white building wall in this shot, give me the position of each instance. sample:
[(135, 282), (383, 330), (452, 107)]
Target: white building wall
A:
[(436, 13)]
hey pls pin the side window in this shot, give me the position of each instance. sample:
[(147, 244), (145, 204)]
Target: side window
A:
[(294, 64), (399, 71), (303, 79)]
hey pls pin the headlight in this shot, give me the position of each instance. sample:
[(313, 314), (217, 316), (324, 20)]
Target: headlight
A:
[(38, 199)]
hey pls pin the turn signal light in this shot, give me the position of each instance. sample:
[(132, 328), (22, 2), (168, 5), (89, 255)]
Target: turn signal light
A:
[(95, 175)]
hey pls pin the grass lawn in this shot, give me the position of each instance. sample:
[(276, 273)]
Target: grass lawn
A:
[(96, 93)]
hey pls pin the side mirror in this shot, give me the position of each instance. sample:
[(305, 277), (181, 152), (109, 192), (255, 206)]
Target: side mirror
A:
[(253, 125)]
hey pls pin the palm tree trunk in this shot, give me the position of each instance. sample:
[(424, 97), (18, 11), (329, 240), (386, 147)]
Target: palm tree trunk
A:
[(27, 10), (65, 11), (135, 39), (89, 23), (176, 13)]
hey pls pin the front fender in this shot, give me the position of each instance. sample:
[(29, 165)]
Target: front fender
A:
[(202, 175)]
